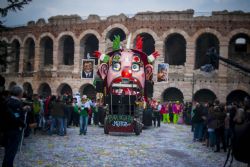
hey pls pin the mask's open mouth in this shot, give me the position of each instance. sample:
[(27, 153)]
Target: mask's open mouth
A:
[(125, 86)]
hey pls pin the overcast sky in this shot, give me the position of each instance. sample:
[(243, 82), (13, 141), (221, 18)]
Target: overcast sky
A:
[(47, 8)]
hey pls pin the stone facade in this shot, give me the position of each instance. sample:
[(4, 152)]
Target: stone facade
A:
[(159, 25)]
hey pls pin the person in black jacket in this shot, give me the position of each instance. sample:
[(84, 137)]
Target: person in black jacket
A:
[(198, 122), (14, 117), (220, 116)]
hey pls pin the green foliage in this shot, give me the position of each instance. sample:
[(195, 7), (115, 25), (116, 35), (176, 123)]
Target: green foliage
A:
[(116, 42)]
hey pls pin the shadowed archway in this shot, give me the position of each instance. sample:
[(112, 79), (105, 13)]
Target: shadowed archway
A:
[(173, 94), (237, 96), (204, 96)]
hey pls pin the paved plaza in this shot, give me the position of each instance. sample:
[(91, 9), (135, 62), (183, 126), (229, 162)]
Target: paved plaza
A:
[(167, 146)]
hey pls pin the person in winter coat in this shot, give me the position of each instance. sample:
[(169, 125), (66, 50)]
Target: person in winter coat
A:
[(14, 119), (198, 122)]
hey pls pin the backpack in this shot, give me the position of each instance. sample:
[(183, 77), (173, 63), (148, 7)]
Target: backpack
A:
[(240, 145)]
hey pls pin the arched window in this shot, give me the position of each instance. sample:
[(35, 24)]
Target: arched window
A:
[(66, 50), (46, 51), (88, 45), (15, 56), (239, 49), (205, 42), (29, 56), (148, 43), (175, 50)]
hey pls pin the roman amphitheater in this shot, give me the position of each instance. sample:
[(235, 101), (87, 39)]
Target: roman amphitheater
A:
[(46, 55)]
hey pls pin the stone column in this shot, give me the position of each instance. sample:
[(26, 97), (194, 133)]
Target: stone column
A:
[(189, 71), (37, 57), (55, 55), (190, 58), (223, 53), (77, 58), (102, 46), (21, 60), (159, 46)]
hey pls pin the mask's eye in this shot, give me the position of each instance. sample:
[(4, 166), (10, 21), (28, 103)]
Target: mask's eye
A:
[(116, 57), (116, 66), (136, 59), (135, 67)]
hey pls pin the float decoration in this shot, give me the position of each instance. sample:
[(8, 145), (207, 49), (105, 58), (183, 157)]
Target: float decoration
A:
[(126, 75)]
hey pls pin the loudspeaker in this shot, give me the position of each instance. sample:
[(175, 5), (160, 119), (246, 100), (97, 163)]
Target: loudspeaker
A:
[(149, 88), (99, 86)]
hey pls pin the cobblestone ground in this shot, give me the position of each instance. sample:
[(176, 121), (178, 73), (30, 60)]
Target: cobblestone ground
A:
[(168, 146)]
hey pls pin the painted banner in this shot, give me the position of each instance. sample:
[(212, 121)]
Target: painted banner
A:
[(87, 71), (162, 74)]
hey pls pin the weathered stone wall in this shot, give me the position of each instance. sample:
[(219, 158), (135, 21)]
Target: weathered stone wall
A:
[(224, 25)]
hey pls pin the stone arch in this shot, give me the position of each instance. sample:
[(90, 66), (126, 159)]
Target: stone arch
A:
[(89, 90), (64, 88), (203, 43), (235, 32), (175, 49), (46, 50), (47, 34), (173, 94), (84, 33), (207, 30), (145, 30), (27, 37), (88, 44), (29, 54), (106, 33), (116, 25), (66, 48), (175, 31), (11, 85), (5, 39), (44, 90), (27, 89), (69, 33), (110, 36), (236, 96), (15, 37), (204, 95)]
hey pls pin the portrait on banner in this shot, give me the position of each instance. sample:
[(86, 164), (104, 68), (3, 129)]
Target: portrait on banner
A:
[(162, 74), (87, 71)]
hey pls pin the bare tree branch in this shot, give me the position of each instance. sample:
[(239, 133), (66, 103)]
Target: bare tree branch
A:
[(13, 5)]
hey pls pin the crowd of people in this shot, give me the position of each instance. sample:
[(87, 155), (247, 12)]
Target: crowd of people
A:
[(167, 112), (214, 123), (21, 116)]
